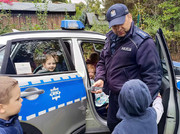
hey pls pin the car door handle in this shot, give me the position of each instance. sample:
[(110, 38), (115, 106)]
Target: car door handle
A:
[(25, 94), (31, 93)]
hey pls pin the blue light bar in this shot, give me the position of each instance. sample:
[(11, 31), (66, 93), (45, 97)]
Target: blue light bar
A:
[(72, 24)]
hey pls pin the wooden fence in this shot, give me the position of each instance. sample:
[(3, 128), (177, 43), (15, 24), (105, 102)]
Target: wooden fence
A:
[(26, 20)]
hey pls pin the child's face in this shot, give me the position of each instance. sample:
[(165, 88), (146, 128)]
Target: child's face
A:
[(50, 64), (15, 102), (91, 73)]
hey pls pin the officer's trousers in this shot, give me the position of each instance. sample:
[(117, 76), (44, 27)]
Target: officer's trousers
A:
[(112, 120)]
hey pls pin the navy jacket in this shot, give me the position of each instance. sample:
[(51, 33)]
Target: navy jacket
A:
[(135, 57), (137, 115), (11, 126)]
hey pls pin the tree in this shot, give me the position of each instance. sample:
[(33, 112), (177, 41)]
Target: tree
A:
[(170, 14), (94, 6)]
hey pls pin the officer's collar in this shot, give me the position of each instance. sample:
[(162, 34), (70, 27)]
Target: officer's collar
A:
[(114, 38), (130, 32)]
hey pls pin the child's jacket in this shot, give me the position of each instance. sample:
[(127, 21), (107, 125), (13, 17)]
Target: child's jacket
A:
[(137, 117), (12, 126)]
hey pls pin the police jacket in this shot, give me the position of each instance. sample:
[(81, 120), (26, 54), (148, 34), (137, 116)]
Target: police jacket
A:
[(12, 126), (135, 57)]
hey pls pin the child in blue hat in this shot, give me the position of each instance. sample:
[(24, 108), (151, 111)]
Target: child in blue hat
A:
[(137, 116)]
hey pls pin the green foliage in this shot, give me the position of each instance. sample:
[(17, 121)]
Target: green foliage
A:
[(94, 6), (79, 12), (6, 21), (5, 18), (42, 16), (167, 19), (99, 27), (170, 16)]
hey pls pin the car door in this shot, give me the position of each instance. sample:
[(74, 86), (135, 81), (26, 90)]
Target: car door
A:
[(96, 115), (169, 122), (53, 102)]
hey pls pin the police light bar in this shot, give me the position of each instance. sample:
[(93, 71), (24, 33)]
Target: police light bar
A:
[(72, 24)]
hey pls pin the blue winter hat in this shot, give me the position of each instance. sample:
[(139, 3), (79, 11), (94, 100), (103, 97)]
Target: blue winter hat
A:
[(134, 99), (116, 14)]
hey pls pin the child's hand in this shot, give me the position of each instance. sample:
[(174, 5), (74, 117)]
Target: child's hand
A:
[(159, 95)]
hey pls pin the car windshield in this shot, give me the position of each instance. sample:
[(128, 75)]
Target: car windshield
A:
[(2, 50)]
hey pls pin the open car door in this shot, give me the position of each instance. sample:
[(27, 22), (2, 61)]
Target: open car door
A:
[(169, 122)]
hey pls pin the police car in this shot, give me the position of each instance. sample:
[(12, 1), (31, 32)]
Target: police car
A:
[(61, 102)]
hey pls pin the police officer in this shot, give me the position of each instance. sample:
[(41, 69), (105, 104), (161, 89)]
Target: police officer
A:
[(129, 53)]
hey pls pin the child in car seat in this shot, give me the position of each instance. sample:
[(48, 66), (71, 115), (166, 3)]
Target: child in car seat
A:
[(49, 64), (60, 62), (101, 98), (134, 109), (10, 105)]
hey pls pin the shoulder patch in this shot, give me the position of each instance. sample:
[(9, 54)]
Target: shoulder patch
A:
[(142, 34)]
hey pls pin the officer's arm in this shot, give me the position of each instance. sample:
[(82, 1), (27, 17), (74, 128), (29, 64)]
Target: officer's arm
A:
[(149, 66), (100, 68)]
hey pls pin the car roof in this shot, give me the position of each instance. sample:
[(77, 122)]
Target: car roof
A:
[(50, 34)]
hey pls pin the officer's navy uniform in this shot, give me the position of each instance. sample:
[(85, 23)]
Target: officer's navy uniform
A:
[(123, 58)]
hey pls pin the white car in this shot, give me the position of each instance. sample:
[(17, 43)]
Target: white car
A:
[(61, 102)]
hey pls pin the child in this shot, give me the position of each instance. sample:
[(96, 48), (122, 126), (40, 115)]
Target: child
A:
[(135, 111), (49, 64), (101, 98), (60, 61), (93, 59), (10, 105)]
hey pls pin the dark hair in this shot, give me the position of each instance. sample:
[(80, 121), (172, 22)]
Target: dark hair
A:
[(94, 58)]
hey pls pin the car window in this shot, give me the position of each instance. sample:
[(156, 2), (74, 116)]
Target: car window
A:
[(90, 53), (1, 56), (68, 46), (29, 56), (90, 47)]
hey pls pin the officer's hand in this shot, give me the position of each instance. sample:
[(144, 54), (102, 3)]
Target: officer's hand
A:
[(97, 91), (99, 83)]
